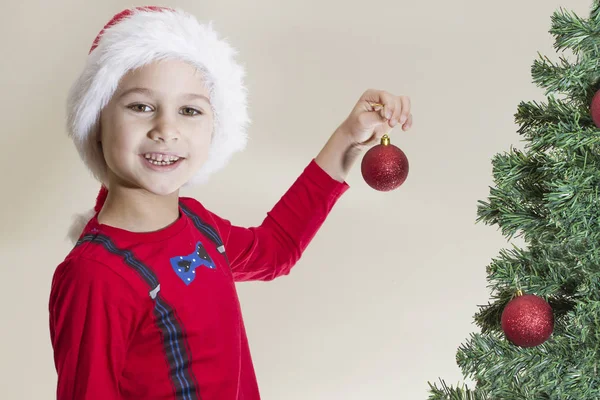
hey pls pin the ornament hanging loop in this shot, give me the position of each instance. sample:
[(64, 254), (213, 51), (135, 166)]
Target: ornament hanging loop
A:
[(385, 140), (377, 106)]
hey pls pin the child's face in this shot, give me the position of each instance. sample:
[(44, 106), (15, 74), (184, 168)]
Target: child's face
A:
[(157, 128)]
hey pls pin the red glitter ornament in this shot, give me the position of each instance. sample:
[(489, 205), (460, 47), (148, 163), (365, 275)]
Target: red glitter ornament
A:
[(595, 109), (527, 320), (384, 167)]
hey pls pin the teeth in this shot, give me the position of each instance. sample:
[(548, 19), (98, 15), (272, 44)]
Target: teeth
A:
[(160, 159), (161, 162)]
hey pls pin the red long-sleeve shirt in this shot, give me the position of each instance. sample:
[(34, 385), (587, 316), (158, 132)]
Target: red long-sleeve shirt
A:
[(156, 315)]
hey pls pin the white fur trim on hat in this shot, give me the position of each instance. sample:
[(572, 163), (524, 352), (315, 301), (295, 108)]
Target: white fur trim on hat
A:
[(143, 36), (78, 224)]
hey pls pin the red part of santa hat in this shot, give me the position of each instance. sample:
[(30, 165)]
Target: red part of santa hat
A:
[(120, 16), (137, 36)]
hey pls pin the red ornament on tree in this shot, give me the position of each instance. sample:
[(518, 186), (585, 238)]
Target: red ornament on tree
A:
[(527, 320), (595, 109), (384, 167)]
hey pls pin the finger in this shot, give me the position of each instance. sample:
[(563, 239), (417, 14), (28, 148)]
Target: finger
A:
[(380, 97), (372, 96), (402, 111), (408, 124), (389, 104), (405, 101), (370, 120), (397, 112)]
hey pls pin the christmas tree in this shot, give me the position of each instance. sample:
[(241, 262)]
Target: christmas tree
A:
[(548, 196)]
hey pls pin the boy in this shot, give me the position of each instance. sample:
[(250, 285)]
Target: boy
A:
[(145, 305)]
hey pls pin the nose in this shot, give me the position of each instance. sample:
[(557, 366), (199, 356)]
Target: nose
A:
[(164, 130)]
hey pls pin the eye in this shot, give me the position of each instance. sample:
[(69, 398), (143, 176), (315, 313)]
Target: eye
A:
[(140, 108), (189, 111)]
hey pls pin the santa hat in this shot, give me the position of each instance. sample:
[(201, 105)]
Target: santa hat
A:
[(135, 37)]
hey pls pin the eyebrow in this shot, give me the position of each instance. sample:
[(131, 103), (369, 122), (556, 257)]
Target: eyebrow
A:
[(196, 96), (149, 92)]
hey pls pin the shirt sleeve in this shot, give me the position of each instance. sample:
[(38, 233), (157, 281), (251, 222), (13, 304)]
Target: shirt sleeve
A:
[(92, 318), (270, 250)]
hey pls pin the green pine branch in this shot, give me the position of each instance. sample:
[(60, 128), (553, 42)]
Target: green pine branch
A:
[(460, 392), (552, 194), (565, 77), (516, 203), (575, 33), (557, 125), (595, 11), (533, 115)]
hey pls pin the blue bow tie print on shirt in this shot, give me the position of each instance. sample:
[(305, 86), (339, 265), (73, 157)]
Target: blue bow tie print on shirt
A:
[(185, 266)]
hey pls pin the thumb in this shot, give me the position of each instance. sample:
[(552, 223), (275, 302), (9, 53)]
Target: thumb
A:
[(371, 119)]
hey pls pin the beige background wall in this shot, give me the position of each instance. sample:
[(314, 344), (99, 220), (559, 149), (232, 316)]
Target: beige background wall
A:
[(386, 292)]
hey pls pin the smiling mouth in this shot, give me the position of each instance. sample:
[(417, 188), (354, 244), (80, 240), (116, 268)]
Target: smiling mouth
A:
[(160, 159)]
